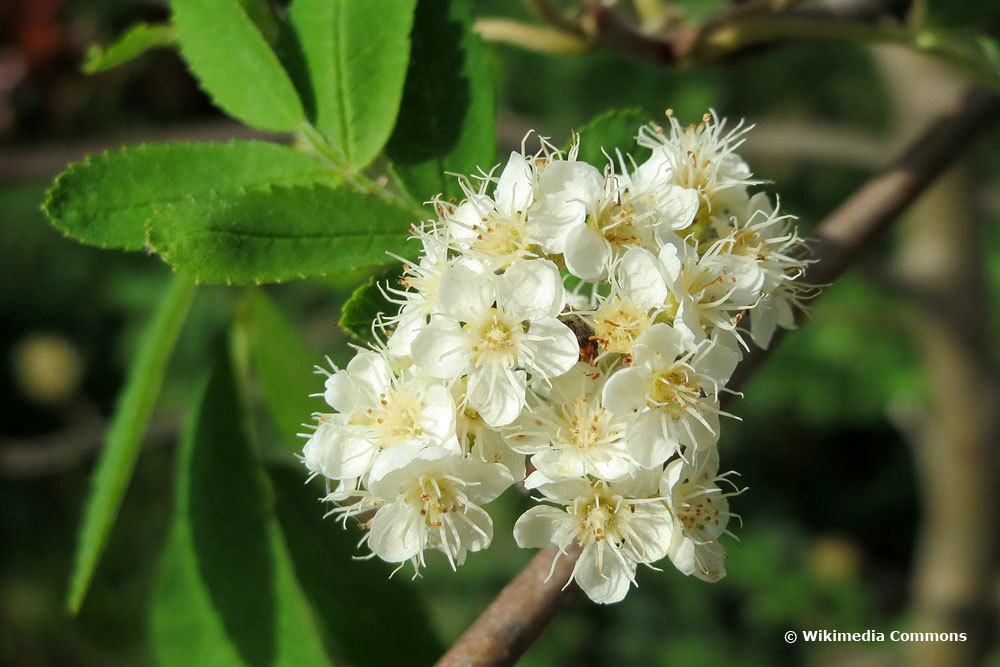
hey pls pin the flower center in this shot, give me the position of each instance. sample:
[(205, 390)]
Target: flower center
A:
[(616, 223), (503, 239), (496, 340), (618, 323), (703, 515), (672, 391), (598, 518), (436, 496), (396, 418), (582, 426)]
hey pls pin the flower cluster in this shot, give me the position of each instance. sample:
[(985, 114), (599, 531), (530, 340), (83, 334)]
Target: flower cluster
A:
[(578, 323)]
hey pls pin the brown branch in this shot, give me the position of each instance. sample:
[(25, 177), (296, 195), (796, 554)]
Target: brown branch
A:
[(520, 613)]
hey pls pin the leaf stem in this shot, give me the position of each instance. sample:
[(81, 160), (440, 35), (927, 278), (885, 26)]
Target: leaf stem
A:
[(357, 179)]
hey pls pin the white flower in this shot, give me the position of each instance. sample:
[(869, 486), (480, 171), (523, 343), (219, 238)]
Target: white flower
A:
[(419, 298), (498, 230), (669, 394), (618, 525), (496, 330), (702, 159), (482, 441), (571, 434), (652, 189), (638, 292), (700, 512), (770, 245), (431, 500), (708, 292), (591, 218), (377, 411)]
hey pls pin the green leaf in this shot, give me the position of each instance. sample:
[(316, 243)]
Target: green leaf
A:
[(355, 56), (136, 41), (279, 235), (235, 65), (447, 122), (365, 304), (263, 17), (283, 363), (615, 129), (227, 594), (354, 599), (106, 199), (124, 437)]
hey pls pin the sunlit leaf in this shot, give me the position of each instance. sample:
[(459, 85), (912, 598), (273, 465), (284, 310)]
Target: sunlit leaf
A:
[(106, 199)]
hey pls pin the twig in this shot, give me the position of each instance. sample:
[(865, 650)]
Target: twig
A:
[(541, 39), (516, 618), (522, 610)]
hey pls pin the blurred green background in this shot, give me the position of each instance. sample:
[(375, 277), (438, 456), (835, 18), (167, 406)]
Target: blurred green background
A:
[(826, 442)]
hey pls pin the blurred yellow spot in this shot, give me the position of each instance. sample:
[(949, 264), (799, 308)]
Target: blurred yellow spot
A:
[(834, 557), (47, 368)]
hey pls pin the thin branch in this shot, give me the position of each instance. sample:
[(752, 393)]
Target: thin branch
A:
[(520, 613), (516, 618), (531, 37)]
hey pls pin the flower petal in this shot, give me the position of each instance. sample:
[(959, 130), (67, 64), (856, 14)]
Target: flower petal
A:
[(602, 575), (587, 253), (514, 188), (551, 346), (441, 350), (625, 391), (543, 526), (398, 533), (641, 279), (497, 394), (651, 438), (530, 290)]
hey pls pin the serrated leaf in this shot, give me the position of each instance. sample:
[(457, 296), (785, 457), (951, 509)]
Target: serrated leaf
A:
[(283, 364), (355, 56), (227, 594), (124, 437), (106, 199), (354, 599), (134, 42), (447, 122), (235, 65), (615, 129), (366, 303), (279, 235)]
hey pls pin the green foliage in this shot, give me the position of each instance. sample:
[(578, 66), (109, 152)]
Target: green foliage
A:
[(124, 437), (278, 235), (282, 361), (447, 121), (227, 595), (354, 599), (364, 305), (615, 129), (355, 56), (136, 41), (106, 199), (235, 65)]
